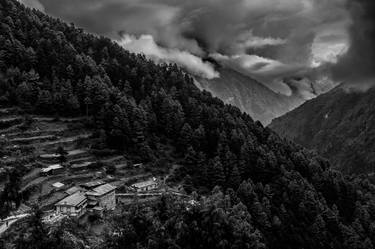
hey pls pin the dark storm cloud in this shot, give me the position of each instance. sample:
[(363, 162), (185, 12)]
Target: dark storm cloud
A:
[(225, 26), (270, 39), (358, 65)]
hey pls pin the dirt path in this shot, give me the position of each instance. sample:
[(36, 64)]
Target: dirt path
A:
[(11, 220)]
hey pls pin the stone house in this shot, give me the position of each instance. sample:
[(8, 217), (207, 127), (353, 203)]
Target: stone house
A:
[(102, 197), (145, 185), (52, 170), (74, 205)]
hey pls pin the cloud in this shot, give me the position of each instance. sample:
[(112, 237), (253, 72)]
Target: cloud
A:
[(145, 44), (268, 71), (248, 40), (222, 26), (357, 66), (308, 88), (330, 45), (279, 38), (253, 64)]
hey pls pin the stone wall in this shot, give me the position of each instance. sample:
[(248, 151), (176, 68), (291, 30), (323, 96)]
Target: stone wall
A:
[(108, 201)]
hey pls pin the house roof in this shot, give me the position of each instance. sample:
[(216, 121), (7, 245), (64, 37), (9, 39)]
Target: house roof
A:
[(49, 156), (58, 184), (81, 165), (102, 190), (72, 200), (143, 184), (92, 184), (76, 152), (72, 190), (52, 167)]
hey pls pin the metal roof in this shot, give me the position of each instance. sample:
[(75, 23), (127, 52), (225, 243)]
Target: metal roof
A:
[(58, 184), (92, 184), (72, 200), (76, 152), (49, 156), (72, 190), (102, 190), (144, 184), (81, 165), (52, 167)]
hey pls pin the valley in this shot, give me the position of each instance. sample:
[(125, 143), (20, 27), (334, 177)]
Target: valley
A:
[(249, 95)]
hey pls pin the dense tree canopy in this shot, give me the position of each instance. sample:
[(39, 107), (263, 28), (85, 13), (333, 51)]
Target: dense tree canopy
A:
[(340, 125)]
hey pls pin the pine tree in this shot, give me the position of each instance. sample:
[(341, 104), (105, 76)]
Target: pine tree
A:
[(235, 178), (190, 161), (246, 193), (73, 105), (45, 103), (10, 197), (199, 138), (259, 214), (87, 102), (185, 137), (201, 170), (62, 154), (216, 173)]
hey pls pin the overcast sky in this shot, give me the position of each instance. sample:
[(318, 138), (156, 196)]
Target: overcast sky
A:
[(268, 39)]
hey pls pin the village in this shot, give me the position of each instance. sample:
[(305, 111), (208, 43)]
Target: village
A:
[(64, 175)]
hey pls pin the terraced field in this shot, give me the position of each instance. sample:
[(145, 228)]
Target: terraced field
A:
[(32, 143)]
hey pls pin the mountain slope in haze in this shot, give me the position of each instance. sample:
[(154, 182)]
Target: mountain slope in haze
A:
[(249, 95), (257, 190), (340, 125)]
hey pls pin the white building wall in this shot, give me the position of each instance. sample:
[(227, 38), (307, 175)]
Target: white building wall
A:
[(70, 210)]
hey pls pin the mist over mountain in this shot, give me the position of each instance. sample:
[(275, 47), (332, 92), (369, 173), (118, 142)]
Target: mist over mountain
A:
[(272, 40), (339, 125), (252, 97)]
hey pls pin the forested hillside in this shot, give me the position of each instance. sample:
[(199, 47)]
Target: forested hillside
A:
[(340, 125), (271, 193)]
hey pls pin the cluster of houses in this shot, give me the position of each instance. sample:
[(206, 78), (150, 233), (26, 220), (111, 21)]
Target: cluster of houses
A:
[(96, 197), (93, 196)]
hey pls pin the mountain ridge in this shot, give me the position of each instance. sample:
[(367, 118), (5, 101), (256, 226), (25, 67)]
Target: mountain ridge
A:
[(249, 95), (338, 124)]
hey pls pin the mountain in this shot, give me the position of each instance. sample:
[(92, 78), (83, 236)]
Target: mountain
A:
[(244, 186), (249, 95), (339, 125)]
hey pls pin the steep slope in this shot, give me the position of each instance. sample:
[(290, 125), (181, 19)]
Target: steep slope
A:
[(271, 193), (249, 95), (340, 125)]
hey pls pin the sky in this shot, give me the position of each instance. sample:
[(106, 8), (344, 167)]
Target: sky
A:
[(283, 43)]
